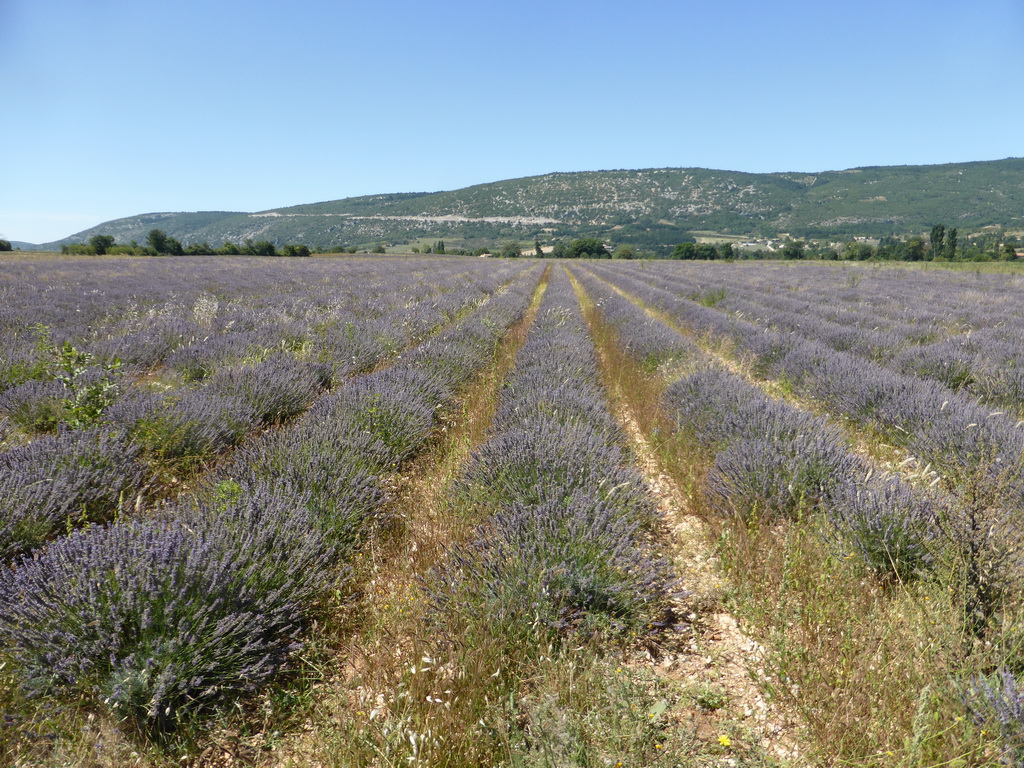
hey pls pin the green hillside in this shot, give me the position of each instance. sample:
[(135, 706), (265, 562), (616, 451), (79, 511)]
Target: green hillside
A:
[(644, 207)]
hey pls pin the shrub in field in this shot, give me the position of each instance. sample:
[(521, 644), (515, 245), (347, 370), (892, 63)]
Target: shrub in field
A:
[(949, 362), (354, 344), (197, 361), (58, 480), (997, 703), (984, 544), (89, 388), (77, 398), (389, 407), (194, 363), (568, 402), (161, 620), (336, 467), (765, 478), (553, 566), (149, 346), (19, 363), (34, 405), (975, 452), (530, 465), (277, 389), (194, 425), (717, 408), (888, 524), (137, 406), (647, 340), (563, 548)]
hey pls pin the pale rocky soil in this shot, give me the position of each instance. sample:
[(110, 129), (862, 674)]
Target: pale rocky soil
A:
[(718, 657)]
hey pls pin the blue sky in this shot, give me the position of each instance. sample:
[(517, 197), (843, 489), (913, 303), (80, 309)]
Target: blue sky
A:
[(118, 107)]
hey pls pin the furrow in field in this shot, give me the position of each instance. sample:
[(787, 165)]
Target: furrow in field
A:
[(384, 639), (720, 656), (972, 450), (262, 546), (152, 448)]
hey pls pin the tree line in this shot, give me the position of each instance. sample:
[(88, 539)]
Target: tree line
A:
[(159, 243), (941, 244)]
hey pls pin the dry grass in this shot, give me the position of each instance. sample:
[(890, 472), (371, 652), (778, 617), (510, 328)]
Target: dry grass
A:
[(709, 666), (875, 672), (384, 704), (371, 640)]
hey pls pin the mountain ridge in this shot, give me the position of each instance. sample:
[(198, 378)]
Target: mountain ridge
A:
[(649, 207)]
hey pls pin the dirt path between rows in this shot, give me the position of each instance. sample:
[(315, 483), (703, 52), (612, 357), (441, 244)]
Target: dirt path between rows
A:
[(719, 656), (715, 663)]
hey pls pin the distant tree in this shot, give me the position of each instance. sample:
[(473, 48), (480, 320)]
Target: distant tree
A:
[(5, 245), (100, 244), (915, 249), (1009, 253), (726, 251), (561, 251), (537, 250), (793, 249), (259, 248), (858, 251), (380, 248), (511, 250), (685, 251), (891, 249), (439, 247), (705, 251), (588, 248), (936, 239), (951, 242), (157, 241), (624, 252), (200, 249), (296, 250), (229, 249)]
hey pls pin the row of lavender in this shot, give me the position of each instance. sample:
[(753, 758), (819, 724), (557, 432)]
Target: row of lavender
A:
[(914, 306), (769, 459), (965, 332), (563, 546), (87, 475), (95, 330), (164, 618), (979, 452)]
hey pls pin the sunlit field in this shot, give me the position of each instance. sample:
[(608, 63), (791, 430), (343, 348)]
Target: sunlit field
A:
[(446, 511)]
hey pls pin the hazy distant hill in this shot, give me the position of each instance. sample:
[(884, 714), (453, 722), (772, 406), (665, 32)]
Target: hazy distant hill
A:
[(645, 207)]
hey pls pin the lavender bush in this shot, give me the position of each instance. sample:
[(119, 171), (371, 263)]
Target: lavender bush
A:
[(195, 425), (35, 405), (555, 565), (888, 525), (764, 478), (162, 620), (996, 702), (338, 470), (61, 480), (277, 389), (563, 548)]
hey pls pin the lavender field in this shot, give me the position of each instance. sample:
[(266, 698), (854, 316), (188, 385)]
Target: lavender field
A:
[(451, 511)]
